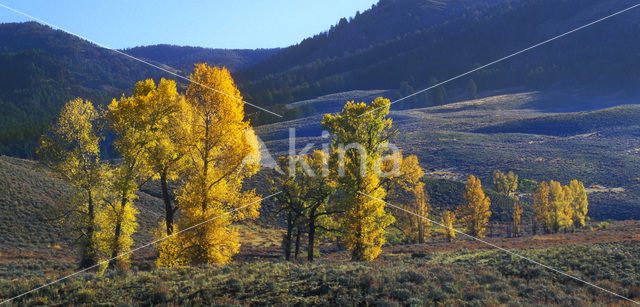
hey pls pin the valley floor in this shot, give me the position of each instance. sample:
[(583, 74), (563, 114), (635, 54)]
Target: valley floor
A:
[(461, 278), (462, 273)]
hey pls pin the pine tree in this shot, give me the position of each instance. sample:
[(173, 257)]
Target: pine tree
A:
[(475, 211)]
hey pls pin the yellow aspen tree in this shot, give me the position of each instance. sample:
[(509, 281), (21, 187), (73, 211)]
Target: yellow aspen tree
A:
[(404, 177), (505, 184), (542, 207), (360, 136), (222, 151), (421, 206), (475, 211), (579, 204), (129, 119), (72, 150), (304, 199), (163, 115), (560, 198), (318, 211), (447, 220), (516, 216)]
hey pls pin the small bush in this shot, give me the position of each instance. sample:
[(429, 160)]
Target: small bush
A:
[(400, 294)]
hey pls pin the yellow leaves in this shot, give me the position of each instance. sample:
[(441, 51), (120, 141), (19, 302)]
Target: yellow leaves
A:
[(542, 206), (475, 211), (516, 215), (559, 207), (415, 227), (560, 198), (221, 151), (117, 224), (71, 148), (579, 203), (369, 128), (447, 220), (505, 184)]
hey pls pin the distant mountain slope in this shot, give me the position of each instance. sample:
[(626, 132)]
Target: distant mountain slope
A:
[(42, 68), (602, 57), (387, 20), (183, 57), (572, 123)]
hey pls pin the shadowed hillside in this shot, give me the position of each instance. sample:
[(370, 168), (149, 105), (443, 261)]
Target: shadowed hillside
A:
[(475, 33)]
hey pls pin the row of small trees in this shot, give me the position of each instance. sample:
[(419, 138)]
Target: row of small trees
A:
[(559, 207), (555, 207), (201, 143), (200, 140)]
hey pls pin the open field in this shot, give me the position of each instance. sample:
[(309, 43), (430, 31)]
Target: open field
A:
[(462, 277)]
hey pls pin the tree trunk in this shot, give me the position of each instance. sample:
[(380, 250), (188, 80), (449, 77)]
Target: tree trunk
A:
[(114, 262), (295, 257), (312, 234), (167, 202), (420, 231), (89, 257), (287, 239)]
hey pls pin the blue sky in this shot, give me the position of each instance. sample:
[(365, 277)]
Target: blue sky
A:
[(216, 24)]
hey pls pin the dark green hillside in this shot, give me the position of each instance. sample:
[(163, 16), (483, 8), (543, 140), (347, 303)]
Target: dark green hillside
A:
[(387, 20), (599, 58), (42, 68), (573, 123), (183, 57)]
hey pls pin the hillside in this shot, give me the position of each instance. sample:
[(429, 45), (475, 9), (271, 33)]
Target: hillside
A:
[(458, 139), (183, 57), (42, 68), (32, 226), (474, 34)]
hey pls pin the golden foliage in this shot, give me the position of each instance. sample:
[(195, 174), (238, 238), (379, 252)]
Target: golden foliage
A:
[(542, 206), (560, 198), (505, 184), (447, 220), (365, 219), (221, 151), (559, 207), (72, 149), (516, 216), (475, 211), (579, 203)]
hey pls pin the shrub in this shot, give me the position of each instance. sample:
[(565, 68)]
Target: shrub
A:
[(400, 294)]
